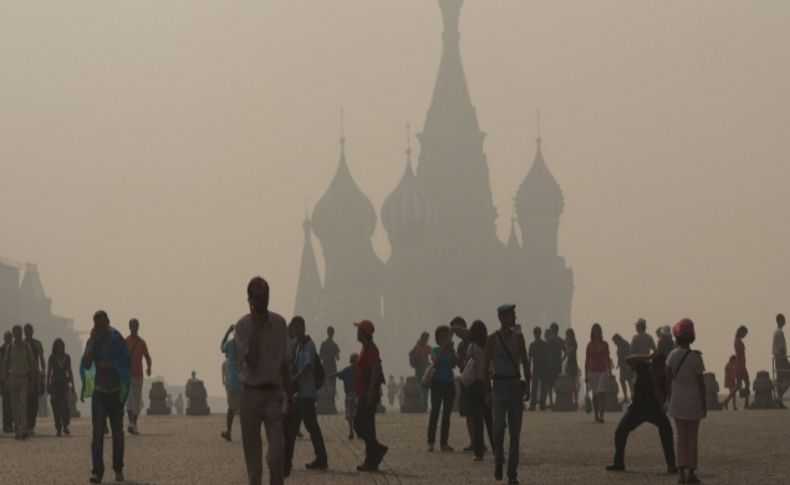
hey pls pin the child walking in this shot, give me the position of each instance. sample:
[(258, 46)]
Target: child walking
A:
[(347, 376)]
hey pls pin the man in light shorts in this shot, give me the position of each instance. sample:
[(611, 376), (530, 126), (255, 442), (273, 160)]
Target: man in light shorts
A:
[(138, 350), (231, 380)]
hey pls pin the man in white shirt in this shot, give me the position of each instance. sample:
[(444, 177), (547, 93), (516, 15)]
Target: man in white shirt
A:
[(780, 361), (642, 343)]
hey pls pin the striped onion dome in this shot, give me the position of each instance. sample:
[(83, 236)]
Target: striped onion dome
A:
[(409, 210), (539, 196), (344, 212)]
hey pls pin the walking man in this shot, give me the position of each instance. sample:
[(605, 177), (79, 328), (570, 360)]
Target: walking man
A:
[(780, 361), (368, 379), (8, 415), (505, 350), (556, 357), (303, 381), (539, 356), (263, 352), (36, 387), (642, 343), (231, 380), (138, 350), (107, 351), (19, 372)]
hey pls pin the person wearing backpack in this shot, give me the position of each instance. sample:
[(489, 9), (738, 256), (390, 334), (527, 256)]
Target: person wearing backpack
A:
[(307, 378), (647, 406), (686, 397)]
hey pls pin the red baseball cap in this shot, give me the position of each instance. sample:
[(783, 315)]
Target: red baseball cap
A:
[(684, 328), (366, 326)]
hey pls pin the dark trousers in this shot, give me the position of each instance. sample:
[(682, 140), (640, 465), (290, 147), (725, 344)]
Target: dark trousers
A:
[(481, 417), (106, 406), (59, 394), (632, 420), (305, 412), (32, 407), (365, 426), (442, 397), (539, 391), (419, 371), (508, 413), (8, 414)]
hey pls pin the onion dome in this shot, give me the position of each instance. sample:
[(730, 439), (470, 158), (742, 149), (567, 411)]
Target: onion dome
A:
[(408, 211), (539, 196), (344, 212)]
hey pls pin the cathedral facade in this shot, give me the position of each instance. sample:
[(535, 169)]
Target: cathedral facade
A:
[(446, 258)]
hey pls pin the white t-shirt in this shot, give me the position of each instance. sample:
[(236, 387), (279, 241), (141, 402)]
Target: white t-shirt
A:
[(780, 346), (686, 401)]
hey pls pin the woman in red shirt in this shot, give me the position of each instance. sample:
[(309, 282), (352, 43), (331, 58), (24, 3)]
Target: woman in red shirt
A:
[(741, 374), (597, 370)]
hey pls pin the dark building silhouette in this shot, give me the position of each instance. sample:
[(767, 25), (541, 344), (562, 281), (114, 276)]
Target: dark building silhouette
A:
[(446, 257)]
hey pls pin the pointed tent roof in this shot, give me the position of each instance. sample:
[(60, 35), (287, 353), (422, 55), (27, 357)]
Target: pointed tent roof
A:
[(308, 290), (344, 212), (539, 196), (31, 291), (451, 111)]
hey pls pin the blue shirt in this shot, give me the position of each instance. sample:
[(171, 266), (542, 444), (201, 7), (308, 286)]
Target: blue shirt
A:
[(233, 379), (305, 356), (444, 367), (347, 376)]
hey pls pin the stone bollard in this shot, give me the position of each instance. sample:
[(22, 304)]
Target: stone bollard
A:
[(412, 397), (711, 392), (564, 391), (612, 402), (763, 392), (196, 395), (158, 398), (325, 399)]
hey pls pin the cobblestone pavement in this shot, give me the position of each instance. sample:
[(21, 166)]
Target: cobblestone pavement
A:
[(736, 448)]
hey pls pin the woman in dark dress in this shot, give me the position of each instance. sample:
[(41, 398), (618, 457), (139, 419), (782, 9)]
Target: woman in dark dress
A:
[(60, 382), (571, 362)]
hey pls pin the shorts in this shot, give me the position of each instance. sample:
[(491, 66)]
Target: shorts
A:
[(135, 401), (626, 374), (598, 382), (234, 400), (351, 406)]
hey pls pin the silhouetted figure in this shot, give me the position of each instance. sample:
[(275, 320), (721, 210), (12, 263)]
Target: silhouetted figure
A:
[(442, 387), (347, 377), (479, 412), (20, 371), (392, 390), (539, 356), (731, 383), (8, 414), (647, 406), (330, 355), (642, 343), (303, 382), (179, 404), (572, 362), (741, 373), (419, 359), (36, 389), (781, 364), (232, 382), (505, 350), (263, 350), (458, 327), (556, 356), (597, 370), (60, 383), (138, 350), (368, 379), (401, 385), (106, 350), (626, 372), (665, 342), (686, 398)]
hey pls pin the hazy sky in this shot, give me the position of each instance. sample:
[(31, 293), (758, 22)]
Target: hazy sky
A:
[(154, 155)]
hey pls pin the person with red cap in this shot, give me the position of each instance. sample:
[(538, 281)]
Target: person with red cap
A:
[(686, 398), (368, 379)]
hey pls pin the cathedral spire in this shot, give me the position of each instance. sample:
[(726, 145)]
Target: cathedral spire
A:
[(308, 290)]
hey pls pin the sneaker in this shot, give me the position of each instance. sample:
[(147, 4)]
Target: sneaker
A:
[(95, 479), (119, 476), (614, 467), (498, 471), (316, 465), (367, 467), (226, 436), (58, 434)]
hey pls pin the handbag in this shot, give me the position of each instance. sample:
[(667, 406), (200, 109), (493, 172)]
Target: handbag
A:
[(469, 375), (515, 365), (427, 378)]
